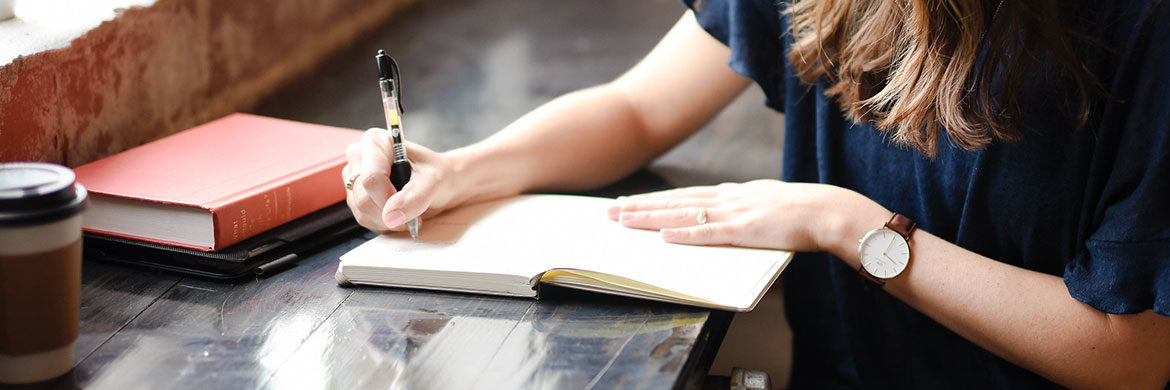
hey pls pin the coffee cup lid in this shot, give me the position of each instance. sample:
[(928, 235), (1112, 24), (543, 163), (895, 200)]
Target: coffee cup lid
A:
[(35, 193)]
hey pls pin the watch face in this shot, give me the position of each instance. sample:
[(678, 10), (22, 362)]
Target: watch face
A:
[(884, 253)]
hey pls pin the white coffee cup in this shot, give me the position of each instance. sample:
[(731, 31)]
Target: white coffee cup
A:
[(40, 270)]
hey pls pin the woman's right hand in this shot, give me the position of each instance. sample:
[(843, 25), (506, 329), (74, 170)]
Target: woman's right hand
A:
[(373, 200)]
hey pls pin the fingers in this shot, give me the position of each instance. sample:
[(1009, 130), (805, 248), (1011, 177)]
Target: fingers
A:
[(688, 215), (418, 153), (664, 218), (418, 195), (375, 152), (375, 203), (369, 159), (720, 233), (409, 203), (700, 196), (353, 158), (426, 181), (634, 205), (373, 187), (365, 216)]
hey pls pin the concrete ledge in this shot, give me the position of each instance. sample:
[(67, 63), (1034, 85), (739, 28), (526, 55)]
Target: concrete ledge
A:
[(153, 71)]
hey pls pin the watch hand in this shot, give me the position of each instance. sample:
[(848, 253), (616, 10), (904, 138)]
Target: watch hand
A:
[(890, 259)]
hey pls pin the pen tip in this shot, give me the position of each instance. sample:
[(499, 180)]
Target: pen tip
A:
[(381, 52)]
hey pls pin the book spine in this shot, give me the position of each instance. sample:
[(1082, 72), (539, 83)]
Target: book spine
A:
[(276, 204)]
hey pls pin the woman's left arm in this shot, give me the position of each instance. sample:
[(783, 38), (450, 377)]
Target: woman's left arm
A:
[(1024, 316)]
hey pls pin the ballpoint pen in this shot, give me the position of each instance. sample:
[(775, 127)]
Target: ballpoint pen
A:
[(391, 87)]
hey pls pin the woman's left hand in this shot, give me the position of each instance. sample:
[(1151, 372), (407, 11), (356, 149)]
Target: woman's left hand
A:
[(758, 214)]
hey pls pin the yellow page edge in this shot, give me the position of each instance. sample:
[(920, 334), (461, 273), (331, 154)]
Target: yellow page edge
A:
[(630, 286), (606, 280)]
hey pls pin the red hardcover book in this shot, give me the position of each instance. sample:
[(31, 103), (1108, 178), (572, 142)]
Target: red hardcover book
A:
[(218, 183)]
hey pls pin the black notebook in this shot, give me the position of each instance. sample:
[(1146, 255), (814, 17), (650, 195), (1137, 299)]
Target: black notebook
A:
[(260, 255)]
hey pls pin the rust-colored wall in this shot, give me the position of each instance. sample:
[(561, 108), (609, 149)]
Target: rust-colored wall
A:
[(154, 71)]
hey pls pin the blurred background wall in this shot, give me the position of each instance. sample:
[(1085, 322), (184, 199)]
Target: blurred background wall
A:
[(152, 71)]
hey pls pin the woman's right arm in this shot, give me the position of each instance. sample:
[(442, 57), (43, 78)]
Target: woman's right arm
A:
[(582, 140)]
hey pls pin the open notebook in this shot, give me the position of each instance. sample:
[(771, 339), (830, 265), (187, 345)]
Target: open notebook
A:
[(507, 247)]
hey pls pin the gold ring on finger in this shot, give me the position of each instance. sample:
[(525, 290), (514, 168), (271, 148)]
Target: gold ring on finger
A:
[(349, 181)]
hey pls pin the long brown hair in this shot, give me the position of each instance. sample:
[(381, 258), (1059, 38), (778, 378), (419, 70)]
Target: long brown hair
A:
[(913, 67)]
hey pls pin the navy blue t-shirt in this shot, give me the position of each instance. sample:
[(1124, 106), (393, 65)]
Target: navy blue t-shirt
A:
[(1091, 205)]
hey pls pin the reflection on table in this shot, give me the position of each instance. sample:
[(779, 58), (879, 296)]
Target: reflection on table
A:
[(143, 329)]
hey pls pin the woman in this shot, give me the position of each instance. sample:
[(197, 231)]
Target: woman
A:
[(1017, 148)]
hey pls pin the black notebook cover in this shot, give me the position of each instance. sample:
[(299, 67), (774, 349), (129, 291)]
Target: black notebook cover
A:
[(261, 255)]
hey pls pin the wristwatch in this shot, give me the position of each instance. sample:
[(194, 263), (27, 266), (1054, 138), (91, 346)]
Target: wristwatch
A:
[(885, 252)]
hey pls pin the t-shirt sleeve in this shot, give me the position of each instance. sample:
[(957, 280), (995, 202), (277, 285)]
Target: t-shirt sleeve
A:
[(752, 29), (1124, 265)]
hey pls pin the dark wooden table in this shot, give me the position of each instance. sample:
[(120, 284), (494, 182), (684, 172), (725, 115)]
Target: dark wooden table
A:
[(469, 68), (298, 329)]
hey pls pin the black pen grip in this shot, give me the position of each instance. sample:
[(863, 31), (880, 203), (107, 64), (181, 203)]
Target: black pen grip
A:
[(399, 174)]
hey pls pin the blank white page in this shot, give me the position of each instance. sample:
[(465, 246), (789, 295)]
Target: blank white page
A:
[(530, 234)]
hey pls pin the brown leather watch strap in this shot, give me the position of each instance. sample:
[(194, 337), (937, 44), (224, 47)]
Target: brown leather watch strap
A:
[(904, 226)]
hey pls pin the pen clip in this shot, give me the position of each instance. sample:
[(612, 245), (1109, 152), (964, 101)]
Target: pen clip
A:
[(388, 68), (397, 81)]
